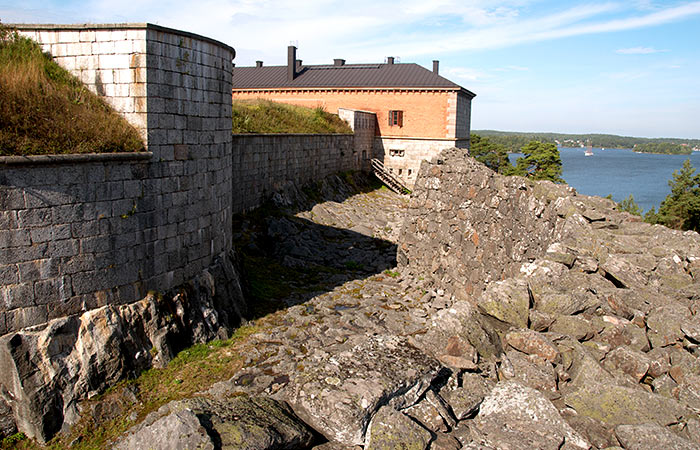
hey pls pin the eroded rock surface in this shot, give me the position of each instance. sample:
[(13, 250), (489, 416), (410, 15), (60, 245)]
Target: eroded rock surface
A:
[(46, 370), (521, 315)]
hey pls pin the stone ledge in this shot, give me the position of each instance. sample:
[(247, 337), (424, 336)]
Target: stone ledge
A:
[(115, 26), (235, 135), (37, 160)]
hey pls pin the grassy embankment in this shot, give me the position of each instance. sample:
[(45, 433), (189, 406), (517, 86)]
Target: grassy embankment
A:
[(46, 110), (264, 116)]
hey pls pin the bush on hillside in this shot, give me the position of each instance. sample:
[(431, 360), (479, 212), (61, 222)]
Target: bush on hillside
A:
[(46, 110), (264, 116)]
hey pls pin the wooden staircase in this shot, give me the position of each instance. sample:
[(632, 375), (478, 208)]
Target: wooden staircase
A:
[(388, 179)]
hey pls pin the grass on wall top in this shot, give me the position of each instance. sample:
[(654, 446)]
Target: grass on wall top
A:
[(264, 116), (46, 110)]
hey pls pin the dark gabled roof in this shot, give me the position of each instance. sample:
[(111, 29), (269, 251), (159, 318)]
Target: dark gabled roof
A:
[(342, 76)]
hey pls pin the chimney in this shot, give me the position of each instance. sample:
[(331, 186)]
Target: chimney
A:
[(338, 62), (298, 65), (436, 65), (291, 61), (390, 60), (258, 63)]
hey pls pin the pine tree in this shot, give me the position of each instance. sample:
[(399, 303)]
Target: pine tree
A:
[(494, 156), (681, 208), (541, 161)]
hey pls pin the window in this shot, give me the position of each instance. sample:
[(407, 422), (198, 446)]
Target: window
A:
[(395, 118), (399, 153)]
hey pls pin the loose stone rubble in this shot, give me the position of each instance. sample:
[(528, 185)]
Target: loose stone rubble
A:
[(521, 315)]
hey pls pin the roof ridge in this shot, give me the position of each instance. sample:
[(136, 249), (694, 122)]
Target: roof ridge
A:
[(364, 75)]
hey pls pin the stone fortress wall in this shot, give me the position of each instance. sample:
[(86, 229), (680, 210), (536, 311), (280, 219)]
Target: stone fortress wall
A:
[(267, 163), (78, 232)]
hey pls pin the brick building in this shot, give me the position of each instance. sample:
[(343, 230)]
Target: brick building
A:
[(418, 112)]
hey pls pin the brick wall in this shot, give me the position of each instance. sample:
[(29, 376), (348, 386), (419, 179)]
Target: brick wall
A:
[(79, 232), (266, 163), (425, 112)]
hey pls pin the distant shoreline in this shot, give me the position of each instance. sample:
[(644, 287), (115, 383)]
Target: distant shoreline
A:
[(513, 141)]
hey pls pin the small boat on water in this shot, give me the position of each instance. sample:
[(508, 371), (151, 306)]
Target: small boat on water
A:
[(589, 150)]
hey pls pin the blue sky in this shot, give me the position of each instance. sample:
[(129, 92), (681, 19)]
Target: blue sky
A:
[(620, 67)]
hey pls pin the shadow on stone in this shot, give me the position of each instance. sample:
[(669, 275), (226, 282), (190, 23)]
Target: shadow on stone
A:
[(287, 260)]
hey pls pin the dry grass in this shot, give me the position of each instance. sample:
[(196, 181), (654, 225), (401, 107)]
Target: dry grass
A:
[(264, 116), (46, 110)]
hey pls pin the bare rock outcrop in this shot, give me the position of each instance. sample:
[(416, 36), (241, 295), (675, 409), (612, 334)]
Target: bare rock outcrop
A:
[(48, 369)]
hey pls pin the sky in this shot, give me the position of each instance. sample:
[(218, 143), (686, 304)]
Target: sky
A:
[(621, 67)]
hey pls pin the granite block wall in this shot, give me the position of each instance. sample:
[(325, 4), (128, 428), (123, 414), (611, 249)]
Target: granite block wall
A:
[(265, 163), (80, 232)]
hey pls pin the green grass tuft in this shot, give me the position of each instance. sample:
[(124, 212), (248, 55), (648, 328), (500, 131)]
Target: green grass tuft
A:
[(264, 116), (46, 110)]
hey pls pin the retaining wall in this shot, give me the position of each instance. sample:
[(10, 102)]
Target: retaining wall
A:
[(266, 163), (79, 232)]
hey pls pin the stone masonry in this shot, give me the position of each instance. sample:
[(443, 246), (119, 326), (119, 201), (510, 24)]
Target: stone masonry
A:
[(81, 232), (267, 163), (363, 124), (469, 226)]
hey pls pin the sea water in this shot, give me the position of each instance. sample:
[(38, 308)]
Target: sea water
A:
[(621, 172)]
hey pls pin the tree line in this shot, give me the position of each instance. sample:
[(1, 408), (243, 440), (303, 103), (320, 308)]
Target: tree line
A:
[(542, 161), (513, 141), (667, 148)]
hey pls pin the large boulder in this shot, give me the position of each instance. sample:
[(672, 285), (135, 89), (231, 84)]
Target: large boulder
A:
[(507, 301), (618, 405), (251, 423), (390, 430), (517, 417), (650, 435), (337, 390)]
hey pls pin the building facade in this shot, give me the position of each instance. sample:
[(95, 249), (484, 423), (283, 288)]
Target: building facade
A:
[(417, 112)]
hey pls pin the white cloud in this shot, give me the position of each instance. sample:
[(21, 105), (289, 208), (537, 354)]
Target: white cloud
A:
[(638, 51), (366, 30)]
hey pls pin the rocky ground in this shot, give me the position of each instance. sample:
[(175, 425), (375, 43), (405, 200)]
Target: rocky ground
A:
[(588, 338)]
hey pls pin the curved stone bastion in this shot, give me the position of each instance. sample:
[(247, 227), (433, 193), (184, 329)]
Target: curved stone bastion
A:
[(81, 233)]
